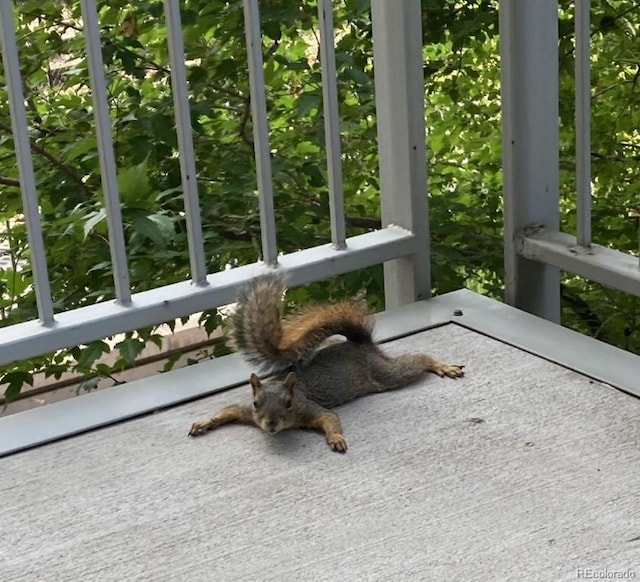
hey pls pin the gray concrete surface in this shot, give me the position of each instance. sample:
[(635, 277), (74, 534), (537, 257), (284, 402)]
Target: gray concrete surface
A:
[(523, 470)]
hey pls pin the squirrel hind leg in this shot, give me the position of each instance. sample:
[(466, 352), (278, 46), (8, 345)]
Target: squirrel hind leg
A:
[(440, 368), (400, 371)]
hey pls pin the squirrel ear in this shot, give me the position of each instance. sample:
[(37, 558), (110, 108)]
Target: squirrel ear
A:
[(290, 381), (255, 383)]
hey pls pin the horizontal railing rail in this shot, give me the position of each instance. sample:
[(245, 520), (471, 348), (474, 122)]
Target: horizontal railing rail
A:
[(402, 243)]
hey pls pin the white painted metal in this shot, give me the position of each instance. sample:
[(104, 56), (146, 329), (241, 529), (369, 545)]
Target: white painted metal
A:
[(185, 142), (85, 324), (260, 131), (529, 70), (597, 263), (331, 122), (60, 419), (105, 150), (399, 86), (583, 121), (25, 164)]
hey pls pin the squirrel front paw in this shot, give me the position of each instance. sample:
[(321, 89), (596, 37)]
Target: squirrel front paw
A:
[(199, 427), (450, 370), (337, 442)]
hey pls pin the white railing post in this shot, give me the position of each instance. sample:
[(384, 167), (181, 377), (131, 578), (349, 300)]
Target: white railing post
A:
[(108, 171), (260, 131), (399, 85), (180, 92), (25, 164), (583, 121), (331, 123), (529, 71)]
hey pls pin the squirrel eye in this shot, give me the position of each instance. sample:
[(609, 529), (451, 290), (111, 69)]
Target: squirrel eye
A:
[(255, 404), (289, 404)]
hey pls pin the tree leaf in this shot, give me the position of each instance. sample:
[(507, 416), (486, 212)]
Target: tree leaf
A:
[(81, 147), (94, 219), (133, 183), (156, 227), (89, 384), (15, 380), (129, 349), (91, 353)]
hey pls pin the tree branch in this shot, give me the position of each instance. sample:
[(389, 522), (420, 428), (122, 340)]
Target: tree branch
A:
[(9, 182), (242, 132), (364, 222), (77, 178)]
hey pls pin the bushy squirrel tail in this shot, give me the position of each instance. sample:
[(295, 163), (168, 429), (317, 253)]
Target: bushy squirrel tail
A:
[(272, 343)]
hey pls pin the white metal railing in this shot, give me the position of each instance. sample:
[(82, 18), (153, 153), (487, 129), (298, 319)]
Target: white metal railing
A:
[(331, 124), (535, 248), (185, 142), (25, 165), (583, 122), (402, 244), (108, 171)]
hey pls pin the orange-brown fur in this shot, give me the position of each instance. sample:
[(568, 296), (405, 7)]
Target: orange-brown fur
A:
[(310, 319)]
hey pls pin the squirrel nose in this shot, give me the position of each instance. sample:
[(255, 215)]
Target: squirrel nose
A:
[(272, 426)]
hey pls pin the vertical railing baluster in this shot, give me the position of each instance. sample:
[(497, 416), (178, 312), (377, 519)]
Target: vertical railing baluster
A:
[(331, 123), (105, 151), (260, 131), (399, 86), (185, 142), (37, 255), (583, 121)]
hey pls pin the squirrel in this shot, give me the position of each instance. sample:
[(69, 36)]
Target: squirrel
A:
[(304, 374)]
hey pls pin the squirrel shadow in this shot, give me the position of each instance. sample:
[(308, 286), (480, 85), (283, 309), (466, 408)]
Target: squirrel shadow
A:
[(290, 443)]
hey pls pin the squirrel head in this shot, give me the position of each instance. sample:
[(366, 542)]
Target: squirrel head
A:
[(274, 402)]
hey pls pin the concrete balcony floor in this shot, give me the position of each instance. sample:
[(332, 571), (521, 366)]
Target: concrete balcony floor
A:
[(522, 470)]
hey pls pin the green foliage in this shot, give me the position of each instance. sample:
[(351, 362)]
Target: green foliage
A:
[(461, 68)]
